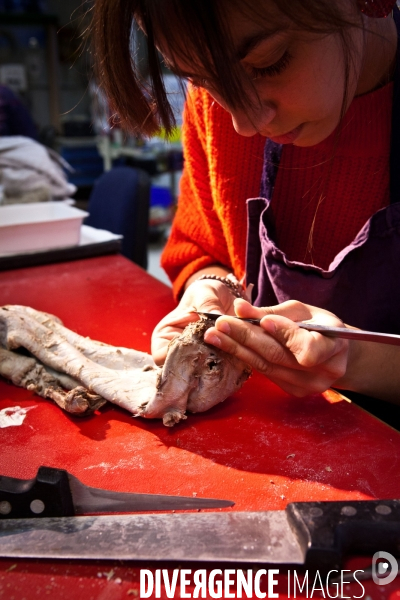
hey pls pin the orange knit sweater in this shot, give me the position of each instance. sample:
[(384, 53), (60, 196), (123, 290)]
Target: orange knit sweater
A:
[(323, 194)]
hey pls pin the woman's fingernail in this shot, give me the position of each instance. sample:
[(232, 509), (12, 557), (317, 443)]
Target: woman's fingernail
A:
[(223, 326), (212, 339)]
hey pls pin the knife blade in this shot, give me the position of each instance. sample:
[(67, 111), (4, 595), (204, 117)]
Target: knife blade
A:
[(341, 332), (315, 534), (57, 493)]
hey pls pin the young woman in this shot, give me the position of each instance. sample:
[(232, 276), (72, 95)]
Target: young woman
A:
[(302, 96)]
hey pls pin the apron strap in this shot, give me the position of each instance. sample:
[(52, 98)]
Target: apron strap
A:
[(272, 157)]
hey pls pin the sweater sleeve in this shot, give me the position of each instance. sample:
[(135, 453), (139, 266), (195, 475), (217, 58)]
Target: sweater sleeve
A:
[(196, 238)]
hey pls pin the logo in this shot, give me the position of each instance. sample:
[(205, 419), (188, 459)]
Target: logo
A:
[(384, 568)]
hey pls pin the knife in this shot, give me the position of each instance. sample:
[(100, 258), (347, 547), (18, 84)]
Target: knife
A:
[(315, 534), (341, 332), (57, 493)]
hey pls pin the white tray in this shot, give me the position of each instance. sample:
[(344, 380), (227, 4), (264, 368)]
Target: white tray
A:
[(92, 242), (39, 226)]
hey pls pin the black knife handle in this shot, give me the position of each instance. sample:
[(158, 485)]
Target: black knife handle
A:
[(328, 531), (47, 495)]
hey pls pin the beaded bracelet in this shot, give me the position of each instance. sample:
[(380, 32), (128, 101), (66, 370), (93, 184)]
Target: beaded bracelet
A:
[(230, 280)]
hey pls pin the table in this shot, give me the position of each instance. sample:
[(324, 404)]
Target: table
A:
[(262, 448)]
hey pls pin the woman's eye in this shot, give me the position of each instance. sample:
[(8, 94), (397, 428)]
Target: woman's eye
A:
[(274, 69)]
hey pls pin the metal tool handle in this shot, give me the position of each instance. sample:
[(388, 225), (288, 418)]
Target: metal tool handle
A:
[(47, 495)]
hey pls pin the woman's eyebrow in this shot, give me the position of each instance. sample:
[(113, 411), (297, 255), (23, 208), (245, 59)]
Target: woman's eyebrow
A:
[(249, 43)]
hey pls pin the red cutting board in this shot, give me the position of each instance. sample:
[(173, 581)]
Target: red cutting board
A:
[(261, 448)]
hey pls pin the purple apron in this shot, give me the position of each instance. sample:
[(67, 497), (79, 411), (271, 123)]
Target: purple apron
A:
[(362, 285)]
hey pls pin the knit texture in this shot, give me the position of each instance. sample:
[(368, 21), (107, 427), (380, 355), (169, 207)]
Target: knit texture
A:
[(324, 194), (349, 174)]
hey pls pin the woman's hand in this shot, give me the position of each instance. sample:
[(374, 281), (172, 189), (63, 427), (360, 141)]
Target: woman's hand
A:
[(204, 295), (299, 361)]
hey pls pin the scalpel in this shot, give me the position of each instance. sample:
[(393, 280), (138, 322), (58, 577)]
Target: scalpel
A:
[(341, 332)]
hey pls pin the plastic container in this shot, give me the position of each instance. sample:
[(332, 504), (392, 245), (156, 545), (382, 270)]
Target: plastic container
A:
[(39, 226)]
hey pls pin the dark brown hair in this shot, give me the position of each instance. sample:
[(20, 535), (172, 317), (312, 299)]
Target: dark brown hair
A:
[(194, 31)]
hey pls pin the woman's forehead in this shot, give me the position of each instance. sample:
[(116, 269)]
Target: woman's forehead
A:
[(264, 16), (245, 30)]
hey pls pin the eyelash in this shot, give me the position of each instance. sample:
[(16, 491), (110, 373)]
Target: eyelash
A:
[(272, 70), (255, 73)]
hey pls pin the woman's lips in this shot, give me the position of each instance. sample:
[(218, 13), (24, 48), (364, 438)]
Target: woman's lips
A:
[(287, 138)]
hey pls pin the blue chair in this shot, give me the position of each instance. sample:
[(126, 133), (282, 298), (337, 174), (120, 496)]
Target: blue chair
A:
[(120, 203)]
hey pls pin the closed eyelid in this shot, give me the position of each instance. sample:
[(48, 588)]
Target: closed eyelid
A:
[(265, 52), (275, 68), (251, 44)]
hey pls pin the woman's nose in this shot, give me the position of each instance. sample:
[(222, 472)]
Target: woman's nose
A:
[(248, 123)]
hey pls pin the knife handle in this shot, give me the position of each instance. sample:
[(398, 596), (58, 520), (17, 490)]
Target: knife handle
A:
[(47, 495), (328, 531)]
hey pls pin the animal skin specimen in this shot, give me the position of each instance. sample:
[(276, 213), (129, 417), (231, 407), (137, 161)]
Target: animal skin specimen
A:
[(80, 374)]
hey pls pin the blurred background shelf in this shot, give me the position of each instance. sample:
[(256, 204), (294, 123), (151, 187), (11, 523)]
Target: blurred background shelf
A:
[(43, 60)]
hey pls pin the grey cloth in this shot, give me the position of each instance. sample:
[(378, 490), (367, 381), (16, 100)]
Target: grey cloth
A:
[(30, 172)]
